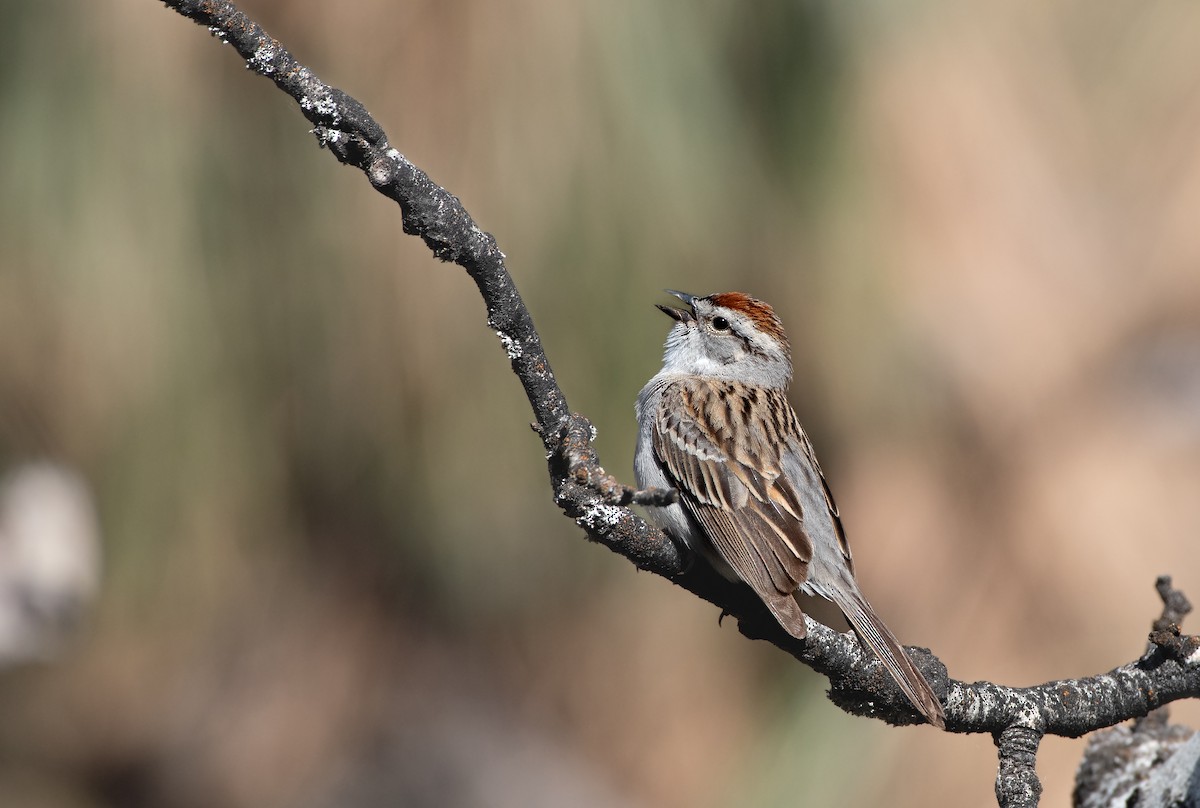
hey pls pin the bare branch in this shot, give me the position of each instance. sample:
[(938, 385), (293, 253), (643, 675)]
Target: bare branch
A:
[(1016, 717)]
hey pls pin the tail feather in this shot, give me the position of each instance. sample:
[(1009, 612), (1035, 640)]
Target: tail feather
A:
[(872, 631)]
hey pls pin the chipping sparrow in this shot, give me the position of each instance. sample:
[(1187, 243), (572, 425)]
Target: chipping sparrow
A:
[(715, 425)]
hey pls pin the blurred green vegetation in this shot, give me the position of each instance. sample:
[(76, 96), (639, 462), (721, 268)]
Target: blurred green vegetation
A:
[(325, 517)]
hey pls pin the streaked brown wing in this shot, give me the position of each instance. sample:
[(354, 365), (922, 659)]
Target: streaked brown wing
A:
[(723, 453)]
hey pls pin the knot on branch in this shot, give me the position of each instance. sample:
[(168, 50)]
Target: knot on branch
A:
[(1171, 643), (573, 458), (596, 500)]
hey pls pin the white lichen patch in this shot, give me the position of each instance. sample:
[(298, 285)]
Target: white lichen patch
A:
[(511, 346), (600, 518), (326, 106), (263, 58), (326, 136), (1028, 715), (394, 155), (323, 106), (219, 34), (1194, 659)]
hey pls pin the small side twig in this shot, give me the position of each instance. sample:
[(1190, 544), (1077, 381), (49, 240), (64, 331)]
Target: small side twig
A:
[(1176, 606), (1166, 637), (1017, 783)]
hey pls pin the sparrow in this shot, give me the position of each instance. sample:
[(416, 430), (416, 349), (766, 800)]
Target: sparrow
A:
[(715, 425)]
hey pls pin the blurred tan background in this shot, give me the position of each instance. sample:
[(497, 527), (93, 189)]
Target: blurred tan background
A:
[(333, 573)]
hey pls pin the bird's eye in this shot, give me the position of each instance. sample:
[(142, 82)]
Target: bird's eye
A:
[(720, 324)]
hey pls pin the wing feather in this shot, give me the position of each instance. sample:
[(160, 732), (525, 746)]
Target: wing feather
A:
[(726, 459)]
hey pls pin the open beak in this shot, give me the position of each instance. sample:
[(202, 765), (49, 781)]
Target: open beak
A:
[(678, 315)]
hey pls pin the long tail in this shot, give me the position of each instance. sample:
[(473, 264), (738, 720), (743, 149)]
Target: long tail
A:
[(872, 631)]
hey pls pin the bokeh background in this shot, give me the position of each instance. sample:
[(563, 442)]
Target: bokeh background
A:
[(332, 571)]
